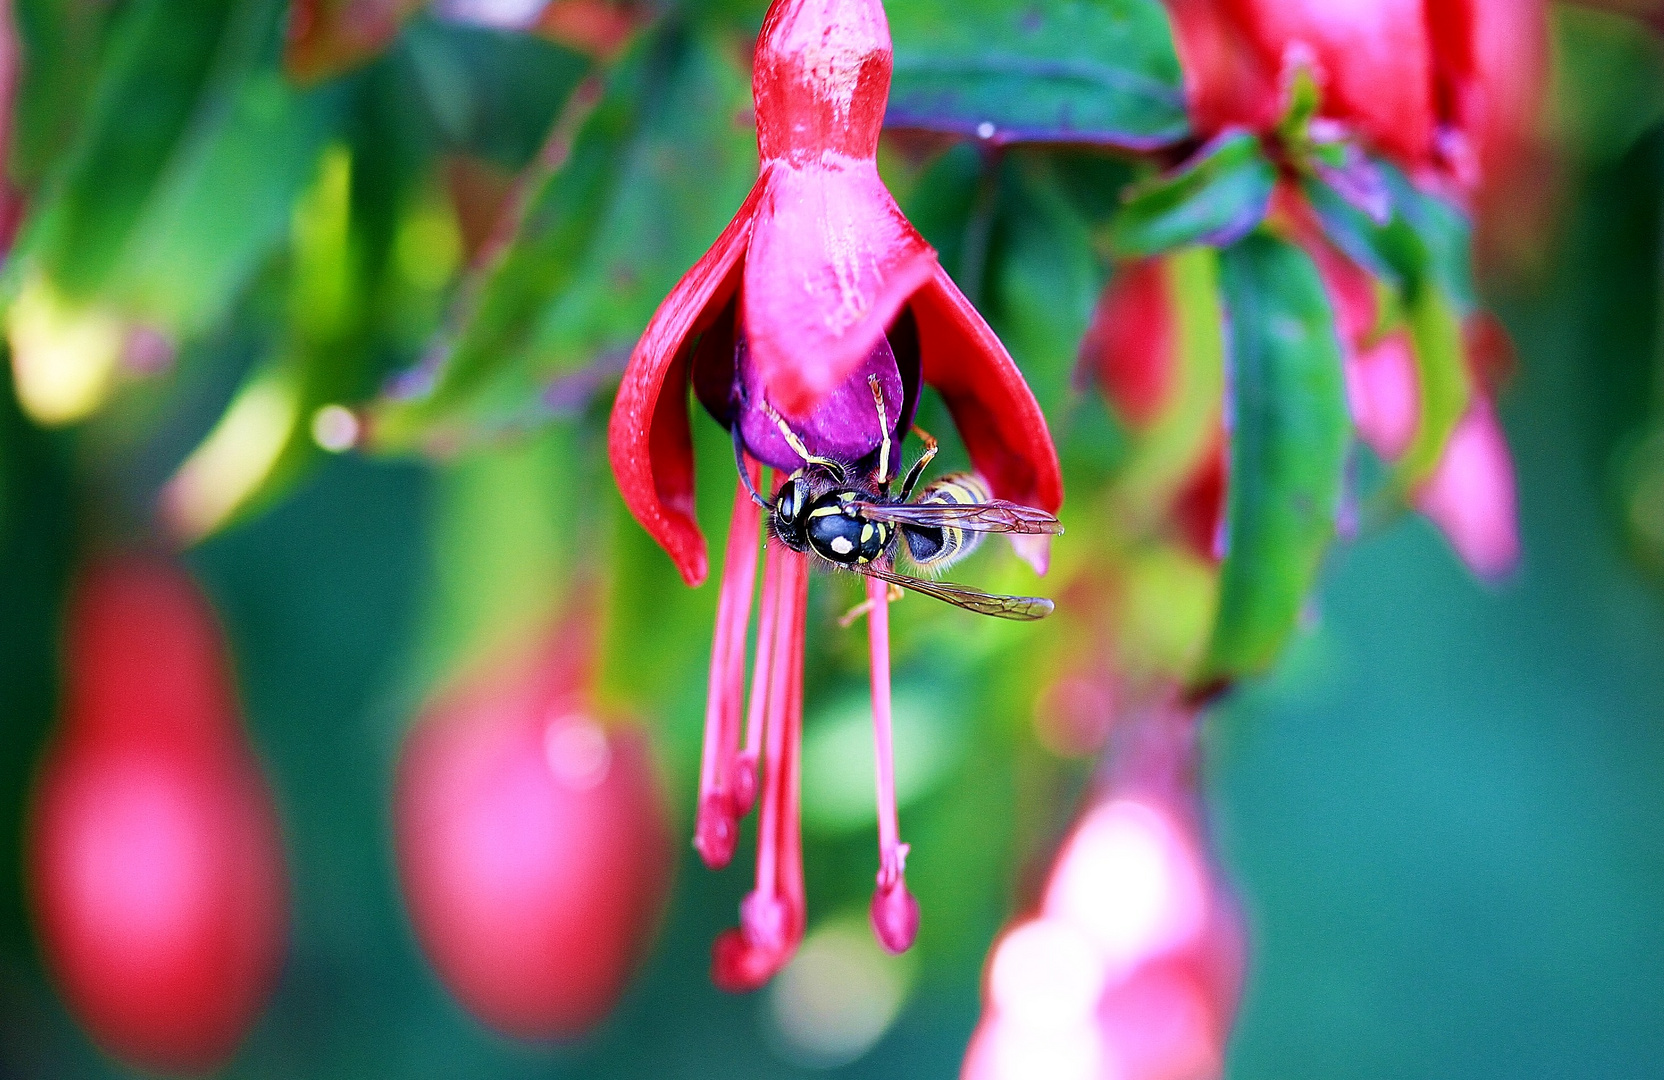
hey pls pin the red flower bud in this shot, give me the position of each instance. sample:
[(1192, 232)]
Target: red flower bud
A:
[(155, 858), (532, 845)]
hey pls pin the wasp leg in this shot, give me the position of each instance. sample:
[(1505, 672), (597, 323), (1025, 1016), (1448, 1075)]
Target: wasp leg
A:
[(849, 617), (797, 446), (884, 432), (745, 470), (925, 458)]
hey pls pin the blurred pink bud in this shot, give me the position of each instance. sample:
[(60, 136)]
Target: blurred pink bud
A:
[(1131, 967), (1132, 344), (1470, 495), (533, 846), (155, 859), (1382, 391)]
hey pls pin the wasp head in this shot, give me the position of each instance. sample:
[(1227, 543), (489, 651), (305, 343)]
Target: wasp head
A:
[(789, 515)]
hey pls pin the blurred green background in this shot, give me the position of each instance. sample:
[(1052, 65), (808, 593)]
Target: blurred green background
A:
[(1444, 810)]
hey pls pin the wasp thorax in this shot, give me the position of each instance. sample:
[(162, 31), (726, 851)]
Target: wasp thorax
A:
[(837, 532)]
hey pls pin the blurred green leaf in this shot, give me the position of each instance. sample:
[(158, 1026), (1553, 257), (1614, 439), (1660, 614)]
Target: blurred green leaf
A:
[(225, 203), (505, 526), (839, 789), (1444, 385), (1426, 243), (490, 93), (1289, 438), (183, 178), (653, 176), (273, 430), (1216, 197), (1082, 71), (1422, 253), (61, 42), (1044, 277)]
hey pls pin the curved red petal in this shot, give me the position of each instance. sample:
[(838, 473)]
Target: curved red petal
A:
[(997, 416), (1490, 73), (1227, 82), (832, 260), (648, 438)]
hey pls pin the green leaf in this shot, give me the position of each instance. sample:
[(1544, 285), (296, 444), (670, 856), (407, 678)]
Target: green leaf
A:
[(490, 93), (1081, 71), (161, 57), (1215, 198), (61, 42), (654, 175), (1289, 438), (225, 204)]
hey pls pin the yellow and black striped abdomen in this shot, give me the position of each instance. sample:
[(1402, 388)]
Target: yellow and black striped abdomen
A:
[(937, 548)]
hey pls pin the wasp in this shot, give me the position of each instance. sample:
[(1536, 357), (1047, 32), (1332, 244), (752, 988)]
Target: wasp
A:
[(828, 509)]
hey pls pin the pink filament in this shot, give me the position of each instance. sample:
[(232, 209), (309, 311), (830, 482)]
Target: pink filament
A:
[(895, 914), (725, 788), (772, 917)]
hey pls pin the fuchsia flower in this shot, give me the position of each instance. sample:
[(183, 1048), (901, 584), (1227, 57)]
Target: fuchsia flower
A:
[(1131, 968), (817, 304), (1447, 87)]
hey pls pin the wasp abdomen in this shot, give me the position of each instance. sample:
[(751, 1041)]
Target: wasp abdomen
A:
[(940, 546)]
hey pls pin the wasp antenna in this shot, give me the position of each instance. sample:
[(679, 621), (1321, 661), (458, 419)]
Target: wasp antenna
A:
[(745, 469), (883, 431)]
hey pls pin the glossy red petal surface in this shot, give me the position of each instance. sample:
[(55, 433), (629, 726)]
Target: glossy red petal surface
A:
[(648, 438), (992, 406), (832, 260), (821, 79)]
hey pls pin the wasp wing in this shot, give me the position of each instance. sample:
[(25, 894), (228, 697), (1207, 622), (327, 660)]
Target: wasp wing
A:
[(996, 516), (1022, 608)]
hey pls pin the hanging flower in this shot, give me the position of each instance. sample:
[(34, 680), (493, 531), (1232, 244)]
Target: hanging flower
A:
[(1132, 965), (807, 330)]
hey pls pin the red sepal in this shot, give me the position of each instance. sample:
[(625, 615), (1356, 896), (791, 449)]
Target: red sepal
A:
[(648, 438)]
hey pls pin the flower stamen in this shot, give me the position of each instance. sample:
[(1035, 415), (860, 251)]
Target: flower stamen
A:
[(772, 915), (895, 914), (727, 782)]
